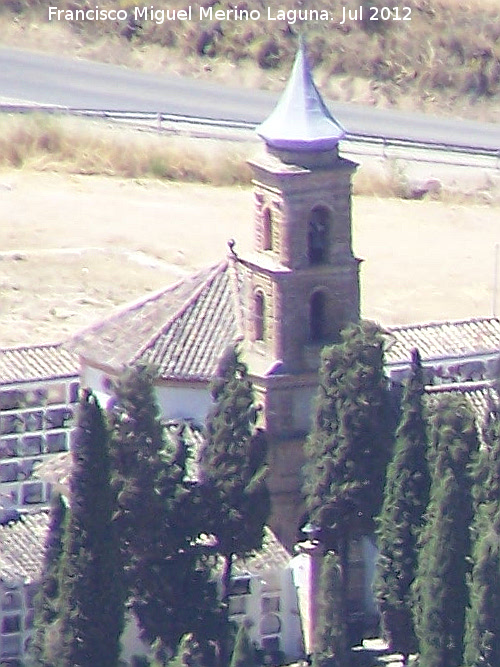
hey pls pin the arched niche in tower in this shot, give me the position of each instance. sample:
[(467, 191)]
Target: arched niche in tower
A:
[(318, 235), (317, 316), (267, 229), (259, 315)]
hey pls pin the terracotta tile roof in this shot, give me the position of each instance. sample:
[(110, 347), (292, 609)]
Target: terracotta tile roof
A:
[(36, 362), (22, 546), (273, 555), (437, 340), (54, 469), (479, 394), (183, 330)]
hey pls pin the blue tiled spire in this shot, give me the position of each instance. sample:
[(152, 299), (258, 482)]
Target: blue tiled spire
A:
[(301, 120)]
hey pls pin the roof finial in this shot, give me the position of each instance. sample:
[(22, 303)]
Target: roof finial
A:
[(301, 24), (302, 39), (231, 244)]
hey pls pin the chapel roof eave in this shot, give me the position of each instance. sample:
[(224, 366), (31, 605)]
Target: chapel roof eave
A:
[(442, 340), (181, 330), (36, 363)]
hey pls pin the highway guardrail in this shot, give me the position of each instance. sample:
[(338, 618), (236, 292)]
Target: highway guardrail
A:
[(381, 143)]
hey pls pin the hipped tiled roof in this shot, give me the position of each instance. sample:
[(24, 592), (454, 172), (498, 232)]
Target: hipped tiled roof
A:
[(54, 469), (182, 330), (273, 555), (439, 340), (37, 362), (481, 395), (22, 546)]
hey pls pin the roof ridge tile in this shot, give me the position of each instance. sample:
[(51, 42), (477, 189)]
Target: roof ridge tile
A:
[(471, 385), (441, 323)]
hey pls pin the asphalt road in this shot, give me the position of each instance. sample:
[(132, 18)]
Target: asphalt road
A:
[(45, 79)]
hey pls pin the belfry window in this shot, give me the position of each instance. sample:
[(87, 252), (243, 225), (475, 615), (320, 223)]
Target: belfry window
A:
[(317, 237), (259, 316), (267, 230), (317, 316)]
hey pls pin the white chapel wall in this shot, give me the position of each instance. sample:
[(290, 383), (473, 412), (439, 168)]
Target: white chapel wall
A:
[(184, 402), (175, 402)]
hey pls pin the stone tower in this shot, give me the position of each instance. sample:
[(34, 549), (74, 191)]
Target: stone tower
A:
[(302, 277)]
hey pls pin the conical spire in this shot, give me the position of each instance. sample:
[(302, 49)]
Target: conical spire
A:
[(301, 120)]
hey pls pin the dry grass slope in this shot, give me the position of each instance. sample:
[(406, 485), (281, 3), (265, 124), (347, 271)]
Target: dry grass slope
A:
[(63, 145), (76, 146)]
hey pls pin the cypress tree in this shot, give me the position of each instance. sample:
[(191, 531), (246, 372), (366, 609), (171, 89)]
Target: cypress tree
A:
[(486, 466), (91, 611), (244, 654), (487, 469), (440, 587), (188, 653), (350, 444), (482, 634), (46, 599), (160, 516), (234, 472), (234, 465), (331, 635), (406, 496)]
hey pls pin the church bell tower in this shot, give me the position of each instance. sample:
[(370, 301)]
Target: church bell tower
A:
[(302, 282), (305, 285)]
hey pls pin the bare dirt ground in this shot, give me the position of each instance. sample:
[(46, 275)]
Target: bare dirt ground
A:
[(74, 247)]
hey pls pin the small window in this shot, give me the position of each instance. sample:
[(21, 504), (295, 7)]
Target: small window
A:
[(56, 393), (11, 400), (270, 625), (240, 586), (317, 237), (56, 442), (11, 601), (8, 447), (36, 397), (270, 604), (317, 317), (259, 315), (33, 493), (11, 624), (10, 645), (33, 420), (271, 644), (57, 417), (237, 605), (10, 424), (267, 229), (8, 472), (31, 445)]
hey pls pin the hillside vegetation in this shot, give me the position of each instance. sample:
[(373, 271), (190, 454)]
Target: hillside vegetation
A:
[(446, 59)]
